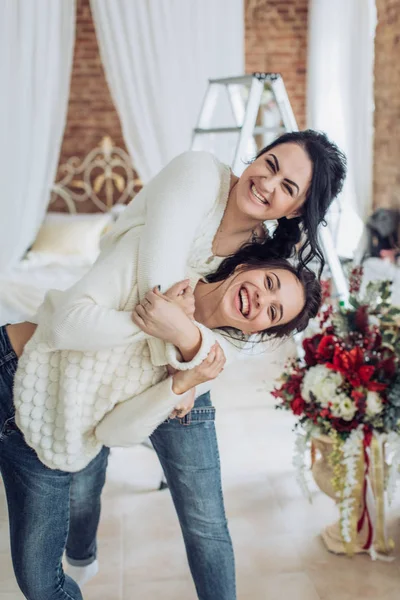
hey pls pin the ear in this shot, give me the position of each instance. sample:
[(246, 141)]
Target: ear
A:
[(294, 214)]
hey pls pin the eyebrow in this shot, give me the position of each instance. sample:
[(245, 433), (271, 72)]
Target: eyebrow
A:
[(278, 283), (288, 180)]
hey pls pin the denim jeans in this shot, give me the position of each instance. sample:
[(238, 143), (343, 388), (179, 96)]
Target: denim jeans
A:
[(39, 502), (188, 451), (51, 510)]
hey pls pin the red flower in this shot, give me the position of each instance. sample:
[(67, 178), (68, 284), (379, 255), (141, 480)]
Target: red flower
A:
[(326, 347), (310, 346), (343, 426), (388, 366), (298, 405), (344, 360), (325, 413), (357, 396), (361, 318), (365, 372), (375, 386)]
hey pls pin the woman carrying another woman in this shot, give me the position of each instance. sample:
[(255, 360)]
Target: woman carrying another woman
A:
[(94, 317)]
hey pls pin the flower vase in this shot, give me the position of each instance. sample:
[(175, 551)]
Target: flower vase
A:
[(366, 536)]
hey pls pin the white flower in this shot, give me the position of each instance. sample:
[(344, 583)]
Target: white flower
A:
[(323, 383), (374, 404), (344, 407)]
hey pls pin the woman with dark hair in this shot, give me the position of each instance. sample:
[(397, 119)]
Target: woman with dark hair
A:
[(193, 216), (54, 398), (196, 212)]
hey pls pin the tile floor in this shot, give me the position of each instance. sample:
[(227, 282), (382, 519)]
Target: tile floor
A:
[(275, 531)]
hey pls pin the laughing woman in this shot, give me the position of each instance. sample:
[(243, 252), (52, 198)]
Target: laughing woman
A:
[(60, 395), (189, 217)]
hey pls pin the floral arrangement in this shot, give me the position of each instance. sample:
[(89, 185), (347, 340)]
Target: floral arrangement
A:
[(347, 387)]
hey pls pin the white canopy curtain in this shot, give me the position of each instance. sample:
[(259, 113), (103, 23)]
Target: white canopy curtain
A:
[(158, 55), (341, 102), (36, 48)]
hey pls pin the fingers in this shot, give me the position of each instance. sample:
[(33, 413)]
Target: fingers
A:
[(211, 356), (178, 288), (188, 291), (214, 363), (220, 355), (184, 408), (140, 310), (137, 319)]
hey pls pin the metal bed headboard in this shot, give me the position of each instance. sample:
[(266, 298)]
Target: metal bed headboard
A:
[(104, 178)]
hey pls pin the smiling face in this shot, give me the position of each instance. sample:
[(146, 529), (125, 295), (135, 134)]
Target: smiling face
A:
[(275, 185), (252, 300)]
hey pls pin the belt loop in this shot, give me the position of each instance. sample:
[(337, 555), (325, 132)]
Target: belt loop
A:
[(187, 419)]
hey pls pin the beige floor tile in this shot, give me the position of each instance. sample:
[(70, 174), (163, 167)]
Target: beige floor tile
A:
[(109, 591), (11, 596), (163, 590), (4, 537), (153, 546), (258, 552), (7, 578), (285, 586), (344, 578)]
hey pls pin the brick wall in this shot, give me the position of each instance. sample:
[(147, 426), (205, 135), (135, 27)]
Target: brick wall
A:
[(276, 34), (276, 41), (387, 105), (91, 113)]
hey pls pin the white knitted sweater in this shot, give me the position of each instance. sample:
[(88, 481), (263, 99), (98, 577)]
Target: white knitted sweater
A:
[(87, 355)]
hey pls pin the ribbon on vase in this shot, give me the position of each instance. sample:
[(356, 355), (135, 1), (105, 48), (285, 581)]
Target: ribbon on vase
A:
[(373, 499)]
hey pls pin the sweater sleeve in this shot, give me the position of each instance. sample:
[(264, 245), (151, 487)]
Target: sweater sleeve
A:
[(131, 422), (177, 201), (88, 316)]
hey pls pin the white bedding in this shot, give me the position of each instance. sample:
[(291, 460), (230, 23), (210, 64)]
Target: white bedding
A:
[(22, 290)]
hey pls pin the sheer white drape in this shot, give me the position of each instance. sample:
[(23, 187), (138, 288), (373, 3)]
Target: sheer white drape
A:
[(340, 100), (158, 56), (36, 48)]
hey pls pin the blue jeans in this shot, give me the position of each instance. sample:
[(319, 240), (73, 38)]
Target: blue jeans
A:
[(51, 510), (188, 452), (39, 501)]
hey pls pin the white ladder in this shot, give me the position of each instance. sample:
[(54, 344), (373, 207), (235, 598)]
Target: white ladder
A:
[(245, 97)]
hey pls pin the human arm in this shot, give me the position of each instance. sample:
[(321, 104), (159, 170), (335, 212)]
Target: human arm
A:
[(132, 421), (89, 316), (177, 202)]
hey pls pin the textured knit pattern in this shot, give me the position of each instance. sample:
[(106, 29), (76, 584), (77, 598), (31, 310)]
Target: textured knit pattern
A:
[(87, 356), (61, 395)]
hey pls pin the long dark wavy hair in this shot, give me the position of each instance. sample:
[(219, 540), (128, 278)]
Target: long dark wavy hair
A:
[(328, 175), (307, 279)]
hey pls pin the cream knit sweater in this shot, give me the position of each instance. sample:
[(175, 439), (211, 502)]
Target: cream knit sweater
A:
[(87, 356)]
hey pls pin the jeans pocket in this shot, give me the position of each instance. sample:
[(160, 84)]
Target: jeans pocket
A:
[(198, 415)]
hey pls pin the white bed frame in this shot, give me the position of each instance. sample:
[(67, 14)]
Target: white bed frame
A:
[(101, 180)]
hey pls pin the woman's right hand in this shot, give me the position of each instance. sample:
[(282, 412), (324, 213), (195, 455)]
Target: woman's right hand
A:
[(209, 369), (163, 318)]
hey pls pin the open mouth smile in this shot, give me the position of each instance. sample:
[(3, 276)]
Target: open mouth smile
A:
[(257, 195), (244, 302)]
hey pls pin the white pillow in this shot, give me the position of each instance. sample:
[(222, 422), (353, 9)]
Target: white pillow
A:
[(72, 235)]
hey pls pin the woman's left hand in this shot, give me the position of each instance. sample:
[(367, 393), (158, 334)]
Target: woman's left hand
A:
[(183, 296)]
